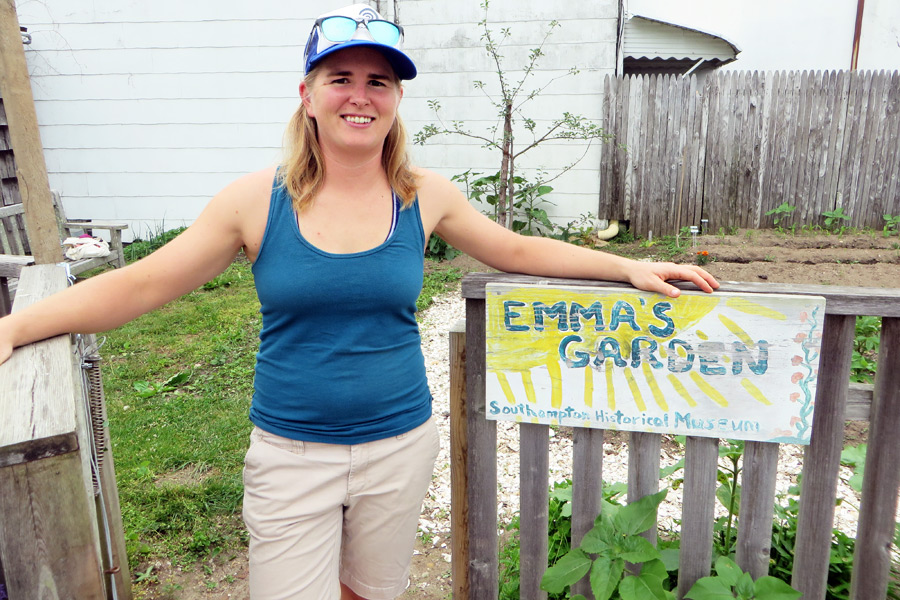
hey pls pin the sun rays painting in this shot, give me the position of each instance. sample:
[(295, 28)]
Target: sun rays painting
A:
[(737, 366)]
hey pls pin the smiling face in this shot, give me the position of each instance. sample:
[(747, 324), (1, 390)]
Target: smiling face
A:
[(353, 98)]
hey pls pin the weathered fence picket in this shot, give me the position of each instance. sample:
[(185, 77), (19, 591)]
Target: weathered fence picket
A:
[(835, 402), (744, 143)]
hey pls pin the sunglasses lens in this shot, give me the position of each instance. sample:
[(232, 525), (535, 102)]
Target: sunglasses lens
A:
[(384, 32), (338, 29)]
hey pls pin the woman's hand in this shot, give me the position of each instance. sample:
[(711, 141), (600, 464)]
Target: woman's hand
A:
[(652, 277)]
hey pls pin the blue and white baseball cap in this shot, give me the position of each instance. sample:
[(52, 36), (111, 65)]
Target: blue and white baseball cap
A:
[(358, 25)]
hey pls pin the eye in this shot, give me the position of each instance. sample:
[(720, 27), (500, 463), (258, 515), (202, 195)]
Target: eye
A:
[(377, 83), (340, 80)]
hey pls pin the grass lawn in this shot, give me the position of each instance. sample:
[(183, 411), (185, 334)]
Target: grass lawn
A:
[(178, 383)]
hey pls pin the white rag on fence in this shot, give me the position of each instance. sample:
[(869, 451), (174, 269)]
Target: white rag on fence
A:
[(85, 247)]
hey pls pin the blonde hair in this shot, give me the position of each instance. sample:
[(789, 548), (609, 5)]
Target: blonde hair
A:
[(302, 171)]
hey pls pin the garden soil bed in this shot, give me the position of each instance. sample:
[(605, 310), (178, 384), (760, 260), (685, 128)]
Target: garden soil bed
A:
[(865, 260)]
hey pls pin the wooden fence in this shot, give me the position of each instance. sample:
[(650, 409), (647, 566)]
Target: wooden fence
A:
[(60, 523), (745, 142), (474, 466)]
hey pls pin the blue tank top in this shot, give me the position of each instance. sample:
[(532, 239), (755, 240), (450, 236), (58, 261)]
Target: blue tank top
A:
[(340, 358)]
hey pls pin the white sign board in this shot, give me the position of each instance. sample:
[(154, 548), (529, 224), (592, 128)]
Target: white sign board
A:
[(736, 366)]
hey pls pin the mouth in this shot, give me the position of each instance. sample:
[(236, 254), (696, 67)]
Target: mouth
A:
[(358, 120)]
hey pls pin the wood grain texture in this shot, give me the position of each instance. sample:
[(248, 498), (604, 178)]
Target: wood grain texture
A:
[(701, 457), (37, 407), (459, 508), (878, 507), (534, 514), (840, 300), (482, 464), (757, 507), (822, 459), (587, 489), (31, 171)]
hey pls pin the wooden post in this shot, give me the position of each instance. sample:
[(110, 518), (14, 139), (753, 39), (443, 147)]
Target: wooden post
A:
[(459, 508), (31, 170), (822, 460), (701, 457), (49, 540), (481, 464), (878, 508)]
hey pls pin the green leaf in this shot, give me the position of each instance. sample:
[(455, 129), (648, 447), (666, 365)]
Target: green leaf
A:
[(145, 389), (641, 588), (605, 577), (728, 570), (771, 588), (636, 549), (744, 586), (178, 379), (598, 540), (569, 569), (639, 516), (671, 558), (657, 568), (709, 588)]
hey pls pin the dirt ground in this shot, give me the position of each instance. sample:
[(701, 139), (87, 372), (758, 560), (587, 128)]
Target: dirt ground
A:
[(864, 260)]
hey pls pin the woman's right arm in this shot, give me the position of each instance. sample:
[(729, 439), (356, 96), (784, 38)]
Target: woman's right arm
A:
[(112, 299)]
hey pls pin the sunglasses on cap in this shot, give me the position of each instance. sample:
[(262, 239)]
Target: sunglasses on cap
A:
[(342, 29)]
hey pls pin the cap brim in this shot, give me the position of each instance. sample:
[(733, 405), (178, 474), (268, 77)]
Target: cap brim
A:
[(403, 66)]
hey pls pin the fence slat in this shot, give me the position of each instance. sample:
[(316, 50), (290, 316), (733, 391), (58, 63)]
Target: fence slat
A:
[(534, 477), (814, 140), (754, 542), (701, 457), (643, 469), (878, 508), (459, 452), (822, 459), (482, 464), (587, 489)]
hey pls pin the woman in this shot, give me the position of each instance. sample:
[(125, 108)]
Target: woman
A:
[(343, 446)]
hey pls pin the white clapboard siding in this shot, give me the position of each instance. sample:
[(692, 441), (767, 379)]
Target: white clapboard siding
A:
[(150, 108)]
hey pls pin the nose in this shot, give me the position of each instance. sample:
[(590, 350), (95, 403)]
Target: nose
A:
[(359, 94)]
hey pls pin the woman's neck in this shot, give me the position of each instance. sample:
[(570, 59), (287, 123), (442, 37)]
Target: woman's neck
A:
[(355, 172)]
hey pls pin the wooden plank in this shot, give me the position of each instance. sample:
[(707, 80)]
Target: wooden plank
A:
[(841, 300), (754, 543), (643, 469), (878, 507), (822, 458), (26, 140), (839, 128), (587, 489), (701, 457), (759, 100), (459, 507), (46, 550), (701, 168), (872, 139), (482, 464), (876, 196), (36, 407), (892, 186), (534, 477)]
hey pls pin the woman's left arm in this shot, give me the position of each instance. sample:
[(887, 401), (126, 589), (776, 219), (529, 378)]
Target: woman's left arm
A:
[(463, 227)]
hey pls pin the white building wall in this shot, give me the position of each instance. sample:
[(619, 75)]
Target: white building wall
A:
[(147, 109), (795, 35)]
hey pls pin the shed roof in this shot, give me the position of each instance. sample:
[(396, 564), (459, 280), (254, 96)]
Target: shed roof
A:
[(654, 39)]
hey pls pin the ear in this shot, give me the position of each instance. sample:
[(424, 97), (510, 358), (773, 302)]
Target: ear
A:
[(305, 98)]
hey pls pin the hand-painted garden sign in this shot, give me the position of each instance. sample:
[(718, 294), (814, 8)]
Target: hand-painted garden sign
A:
[(737, 366)]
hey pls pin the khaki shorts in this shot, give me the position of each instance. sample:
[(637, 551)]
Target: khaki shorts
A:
[(324, 514)]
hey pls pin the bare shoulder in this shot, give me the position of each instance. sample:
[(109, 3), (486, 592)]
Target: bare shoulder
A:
[(437, 197), (250, 187)]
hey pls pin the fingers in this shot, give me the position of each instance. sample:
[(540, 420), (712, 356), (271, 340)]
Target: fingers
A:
[(654, 278)]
